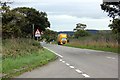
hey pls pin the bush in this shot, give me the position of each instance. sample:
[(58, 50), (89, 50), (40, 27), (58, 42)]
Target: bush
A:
[(19, 47), (81, 33)]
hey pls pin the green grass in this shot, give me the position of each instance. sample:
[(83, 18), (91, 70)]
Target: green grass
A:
[(31, 60), (109, 49), (19, 47), (0, 64), (23, 53)]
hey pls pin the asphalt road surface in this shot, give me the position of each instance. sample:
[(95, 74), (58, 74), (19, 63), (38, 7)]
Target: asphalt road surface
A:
[(77, 63)]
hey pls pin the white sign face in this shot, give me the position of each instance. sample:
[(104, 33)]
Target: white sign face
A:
[(111, 0), (37, 33)]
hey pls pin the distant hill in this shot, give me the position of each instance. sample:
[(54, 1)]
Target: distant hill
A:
[(92, 31), (105, 31), (88, 30), (67, 32)]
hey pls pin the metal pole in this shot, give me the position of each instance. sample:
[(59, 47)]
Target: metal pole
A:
[(33, 31), (37, 38)]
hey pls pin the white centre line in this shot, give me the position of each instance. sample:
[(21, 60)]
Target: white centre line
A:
[(54, 52), (60, 59), (108, 57), (78, 71), (111, 58), (72, 67), (67, 64), (85, 75), (63, 61)]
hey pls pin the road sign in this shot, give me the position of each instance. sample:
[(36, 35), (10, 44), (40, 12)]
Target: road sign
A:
[(37, 33)]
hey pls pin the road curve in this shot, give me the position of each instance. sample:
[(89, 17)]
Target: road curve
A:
[(77, 63), (97, 64)]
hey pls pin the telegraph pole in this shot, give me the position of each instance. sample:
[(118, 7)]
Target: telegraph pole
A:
[(33, 30)]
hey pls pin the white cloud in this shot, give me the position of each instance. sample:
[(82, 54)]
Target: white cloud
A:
[(57, 1), (68, 23), (79, 8), (65, 14)]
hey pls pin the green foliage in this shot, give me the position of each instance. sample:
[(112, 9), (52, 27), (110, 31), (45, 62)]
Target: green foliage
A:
[(104, 40), (81, 33), (26, 52), (115, 26), (19, 47), (80, 26), (18, 22), (34, 17), (49, 35), (113, 10), (31, 61), (95, 47)]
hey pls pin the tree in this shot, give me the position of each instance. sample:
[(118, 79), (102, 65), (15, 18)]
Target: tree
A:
[(81, 33), (80, 30), (39, 19), (4, 7), (113, 10), (9, 19), (80, 26), (18, 22), (115, 26), (49, 35)]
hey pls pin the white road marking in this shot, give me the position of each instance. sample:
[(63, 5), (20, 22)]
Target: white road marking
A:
[(67, 64), (85, 75), (78, 71), (110, 57), (54, 52), (63, 61), (113, 58), (72, 67), (60, 59)]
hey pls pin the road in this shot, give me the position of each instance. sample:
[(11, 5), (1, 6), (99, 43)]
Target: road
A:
[(77, 63)]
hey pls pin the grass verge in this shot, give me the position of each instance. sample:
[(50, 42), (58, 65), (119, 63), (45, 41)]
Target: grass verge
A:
[(109, 49), (31, 60), (24, 59)]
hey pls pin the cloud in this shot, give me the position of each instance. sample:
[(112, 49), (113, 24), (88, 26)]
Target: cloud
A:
[(65, 14), (56, 1), (68, 23), (78, 8)]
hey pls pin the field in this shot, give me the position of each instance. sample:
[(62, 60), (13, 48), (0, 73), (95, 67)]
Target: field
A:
[(24, 54), (104, 42)]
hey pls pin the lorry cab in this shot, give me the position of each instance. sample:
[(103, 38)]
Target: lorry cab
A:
[(62, 39)]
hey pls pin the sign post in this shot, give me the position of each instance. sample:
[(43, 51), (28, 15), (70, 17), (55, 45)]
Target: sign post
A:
[(33, 30), (37, 34)]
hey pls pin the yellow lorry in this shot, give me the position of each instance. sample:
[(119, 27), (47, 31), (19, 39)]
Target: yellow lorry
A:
[(62, 39)]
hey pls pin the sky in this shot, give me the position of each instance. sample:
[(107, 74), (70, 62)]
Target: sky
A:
[(65, 14)]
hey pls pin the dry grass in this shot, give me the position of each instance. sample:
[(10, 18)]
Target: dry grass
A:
[(19, 47), (105, 43), (20, 53)]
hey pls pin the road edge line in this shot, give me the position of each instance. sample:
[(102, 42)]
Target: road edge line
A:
[(54, 52)]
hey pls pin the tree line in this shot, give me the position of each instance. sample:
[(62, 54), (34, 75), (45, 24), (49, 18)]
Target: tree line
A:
[(18, 22)]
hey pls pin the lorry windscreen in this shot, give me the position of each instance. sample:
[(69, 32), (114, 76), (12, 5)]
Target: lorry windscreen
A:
[(64, 39)]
